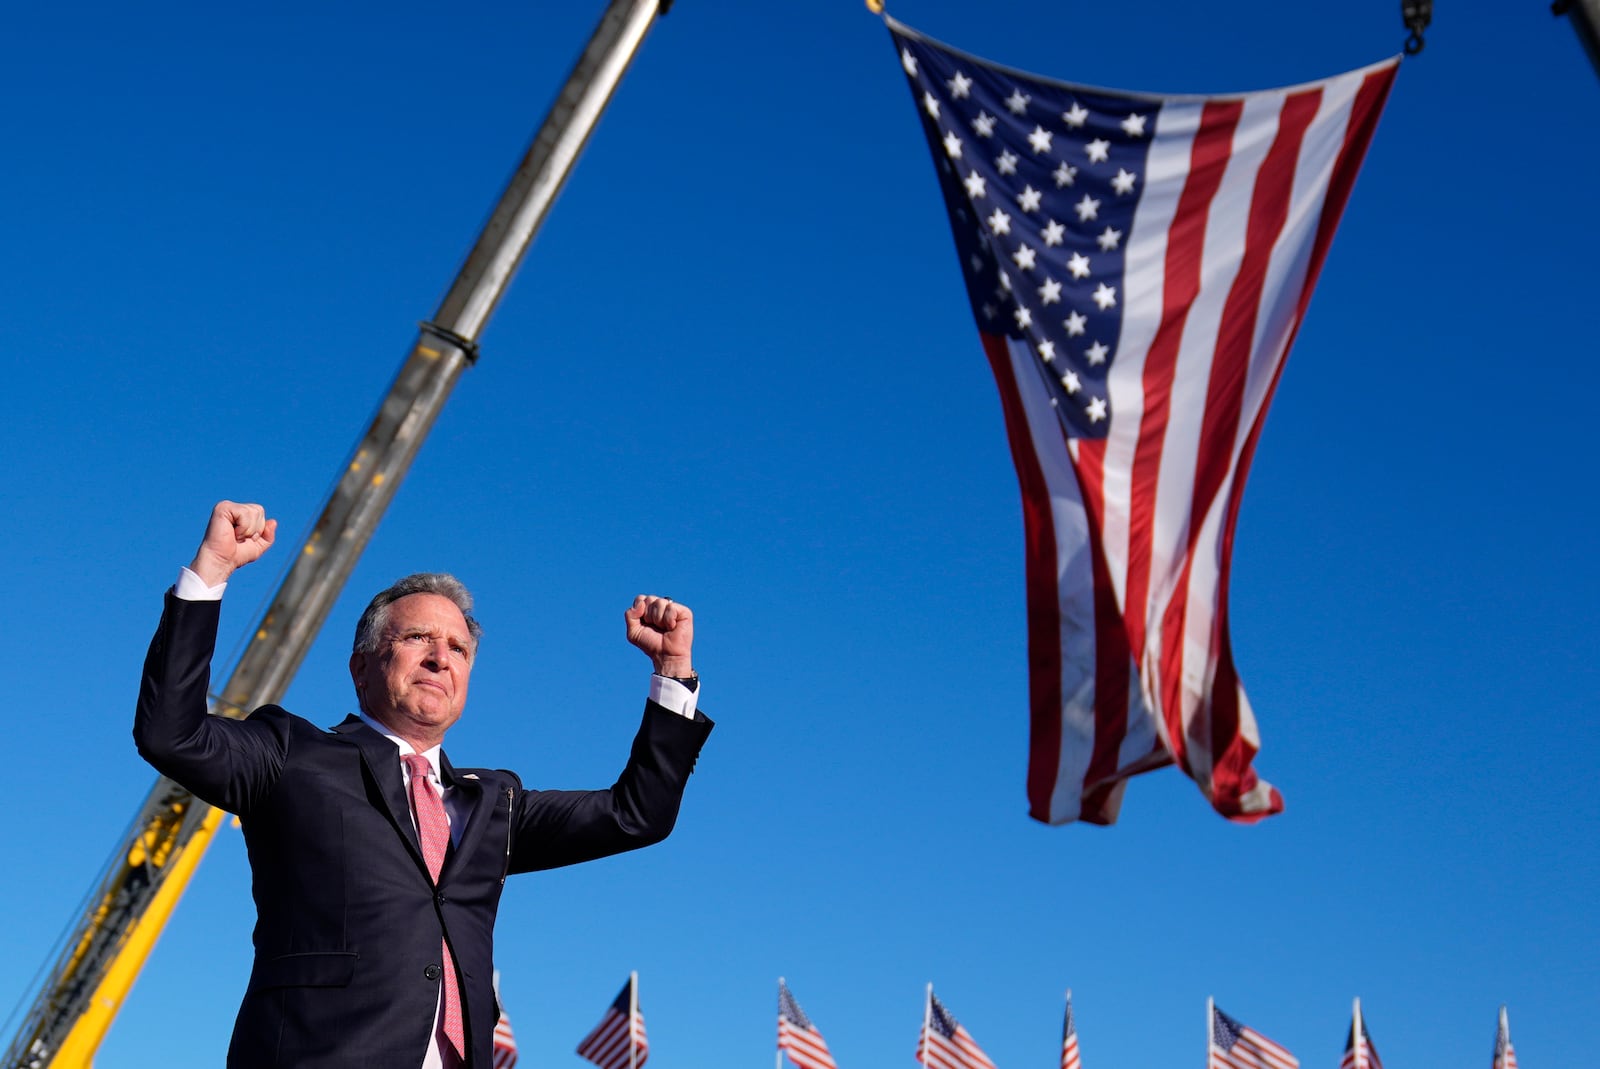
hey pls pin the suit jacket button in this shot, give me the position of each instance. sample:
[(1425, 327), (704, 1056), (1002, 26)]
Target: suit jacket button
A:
[(432, 972)]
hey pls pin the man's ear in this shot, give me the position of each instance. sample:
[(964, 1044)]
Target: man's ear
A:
[(358, 668)]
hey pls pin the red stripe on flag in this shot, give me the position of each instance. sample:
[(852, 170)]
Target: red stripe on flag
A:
[(1359, 129), (1113, 658), (1043, 592), (1230, 754), (1208, 160)]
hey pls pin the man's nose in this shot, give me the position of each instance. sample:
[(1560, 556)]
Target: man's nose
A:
[(438, 654)]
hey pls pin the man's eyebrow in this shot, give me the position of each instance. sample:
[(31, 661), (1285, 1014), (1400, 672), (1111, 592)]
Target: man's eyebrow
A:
[(427, 631)]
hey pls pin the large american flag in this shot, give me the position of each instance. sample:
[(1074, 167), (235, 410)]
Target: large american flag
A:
[(1069, 1039), (1359, 1051), (1138, 266), (1505, 1056), (798, 1037), (618, 1041), (947, 1045), (1237, 1046)]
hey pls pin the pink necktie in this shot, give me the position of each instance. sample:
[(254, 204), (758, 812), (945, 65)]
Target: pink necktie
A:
[(433, 827)]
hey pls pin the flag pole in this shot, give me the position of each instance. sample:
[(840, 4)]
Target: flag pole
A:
[(777, 1061), (1211, 1018), (927, 1017), (633, 1018), (1357, 1035)]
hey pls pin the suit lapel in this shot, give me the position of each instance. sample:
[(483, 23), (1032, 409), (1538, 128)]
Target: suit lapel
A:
[(382, 762), (469, 804), (470, 798)]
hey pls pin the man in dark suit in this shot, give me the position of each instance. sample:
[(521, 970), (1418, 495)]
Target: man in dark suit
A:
[(377, 864)]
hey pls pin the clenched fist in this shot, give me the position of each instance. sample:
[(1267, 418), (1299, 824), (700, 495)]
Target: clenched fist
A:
[(664, 630), (235, 536)]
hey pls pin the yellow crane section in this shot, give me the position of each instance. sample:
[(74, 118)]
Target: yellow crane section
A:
[(159, 845)]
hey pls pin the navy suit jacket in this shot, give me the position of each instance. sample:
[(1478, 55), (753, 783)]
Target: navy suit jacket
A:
[(348, 921)]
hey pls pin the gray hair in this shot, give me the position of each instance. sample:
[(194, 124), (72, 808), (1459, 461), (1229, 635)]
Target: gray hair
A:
[(375, 619)]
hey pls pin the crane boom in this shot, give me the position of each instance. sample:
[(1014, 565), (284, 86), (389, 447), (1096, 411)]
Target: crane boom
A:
[(149, 870)]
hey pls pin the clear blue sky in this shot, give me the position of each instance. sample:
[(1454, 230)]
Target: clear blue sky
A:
[(737, 368)]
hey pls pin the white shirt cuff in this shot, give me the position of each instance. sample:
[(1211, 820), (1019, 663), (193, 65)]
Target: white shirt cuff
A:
[(190, 587), (673, 696)]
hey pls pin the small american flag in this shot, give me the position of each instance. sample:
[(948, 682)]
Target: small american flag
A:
[(618, 1041), (1505, 1057), (1237, 1046), (1359, 1051), (798, 1037), (1138, 266), (1069, 1039), (945, 1044), (505, 1044)]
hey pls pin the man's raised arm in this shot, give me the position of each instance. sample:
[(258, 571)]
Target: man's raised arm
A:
[(223, 761)]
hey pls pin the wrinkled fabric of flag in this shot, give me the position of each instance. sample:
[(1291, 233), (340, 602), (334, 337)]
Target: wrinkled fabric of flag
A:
[(1137, 266)]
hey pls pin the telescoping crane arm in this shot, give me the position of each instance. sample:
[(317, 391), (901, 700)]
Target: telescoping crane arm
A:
[(148, 872)]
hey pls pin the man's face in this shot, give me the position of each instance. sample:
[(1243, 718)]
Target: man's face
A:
[(416, 681)]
